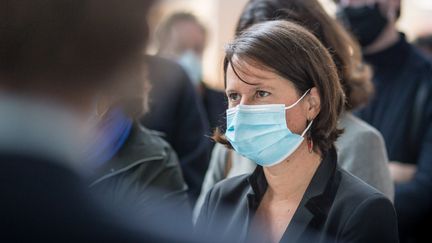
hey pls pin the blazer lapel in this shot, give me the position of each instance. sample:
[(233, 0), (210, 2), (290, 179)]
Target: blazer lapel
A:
[(316, 203), (256, 192)]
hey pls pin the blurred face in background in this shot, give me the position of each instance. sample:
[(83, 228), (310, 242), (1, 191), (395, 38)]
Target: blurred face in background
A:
[(187, 36), (129, 91), (184, 41), (369, 20)]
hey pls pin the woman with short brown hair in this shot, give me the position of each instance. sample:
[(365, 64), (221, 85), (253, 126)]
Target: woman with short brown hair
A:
[(361, 149), (285, 100)]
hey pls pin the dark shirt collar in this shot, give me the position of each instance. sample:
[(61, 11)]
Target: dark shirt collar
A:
[(318, 184), (259, 186), (391, 58), (316, 202)]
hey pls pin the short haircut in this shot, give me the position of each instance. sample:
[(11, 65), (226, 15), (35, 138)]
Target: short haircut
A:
[(355, 76), (295, 54), (68, 45)]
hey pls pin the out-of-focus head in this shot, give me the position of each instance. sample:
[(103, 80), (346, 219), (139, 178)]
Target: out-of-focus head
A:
[(179, 33), (368, 20), (70, 50), (355, 76), (276, 62), (182, 38)]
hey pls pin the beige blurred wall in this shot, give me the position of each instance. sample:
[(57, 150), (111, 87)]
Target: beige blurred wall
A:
[(220, 17)]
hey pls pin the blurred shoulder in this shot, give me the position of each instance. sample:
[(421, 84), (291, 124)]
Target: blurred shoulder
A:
[(355, 128), (353, 191)]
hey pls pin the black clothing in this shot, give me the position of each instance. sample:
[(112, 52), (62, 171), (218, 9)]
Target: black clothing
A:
[(336, 207), (177, 112), (43, 201), (215, 105), (402, 111), (144, 164)]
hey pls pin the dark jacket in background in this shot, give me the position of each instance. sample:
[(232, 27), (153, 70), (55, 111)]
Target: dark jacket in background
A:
[(176, 111), (143, 175), (336, 207), (402, 111), (215, 104)]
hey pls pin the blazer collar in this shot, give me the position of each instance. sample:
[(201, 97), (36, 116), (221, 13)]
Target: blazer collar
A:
[(315, 204)]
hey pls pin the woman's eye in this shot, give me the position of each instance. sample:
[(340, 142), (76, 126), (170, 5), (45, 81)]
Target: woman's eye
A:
[(233, 96), (262, 94)]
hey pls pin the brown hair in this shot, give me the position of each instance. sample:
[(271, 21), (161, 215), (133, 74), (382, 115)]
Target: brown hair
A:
[(355, 76), (69, 46), (297, 55)]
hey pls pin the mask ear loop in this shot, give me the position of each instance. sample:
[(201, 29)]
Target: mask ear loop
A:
[(307, 130), (291, 106), (309, 136)]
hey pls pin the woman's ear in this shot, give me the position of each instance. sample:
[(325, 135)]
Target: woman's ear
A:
[(314, 103)]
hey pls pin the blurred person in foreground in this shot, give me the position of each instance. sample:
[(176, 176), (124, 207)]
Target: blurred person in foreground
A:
[(285, 100), (182, 38), (401, 108), (55, 57), (361, 149), (131, 166)]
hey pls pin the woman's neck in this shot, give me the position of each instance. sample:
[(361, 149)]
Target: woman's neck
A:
[(292, 177)]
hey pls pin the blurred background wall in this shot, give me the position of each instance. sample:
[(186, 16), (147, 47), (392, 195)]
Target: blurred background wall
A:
[(220, 17)]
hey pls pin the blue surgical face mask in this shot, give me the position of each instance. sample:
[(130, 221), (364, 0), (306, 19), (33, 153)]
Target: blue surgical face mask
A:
[(192, 65), (260, 132)]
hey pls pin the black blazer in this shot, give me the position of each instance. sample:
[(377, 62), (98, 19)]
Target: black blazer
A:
[(336, 207)]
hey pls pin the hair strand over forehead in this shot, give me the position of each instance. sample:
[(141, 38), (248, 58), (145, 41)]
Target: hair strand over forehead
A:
[(354, 74), (295, 54)]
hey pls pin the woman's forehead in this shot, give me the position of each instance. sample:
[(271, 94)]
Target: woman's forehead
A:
[(249, 70), (252, 74)]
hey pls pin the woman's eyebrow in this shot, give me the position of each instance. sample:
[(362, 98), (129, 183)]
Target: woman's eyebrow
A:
[(228, 91)]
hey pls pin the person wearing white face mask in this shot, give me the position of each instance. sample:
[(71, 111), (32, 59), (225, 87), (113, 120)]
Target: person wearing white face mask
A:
[(175, 107), (285, 100), (183, 38)]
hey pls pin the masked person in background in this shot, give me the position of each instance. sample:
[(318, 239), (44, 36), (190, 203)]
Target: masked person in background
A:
[(285, 100), (183, 38), (401, 108), (176, 110)]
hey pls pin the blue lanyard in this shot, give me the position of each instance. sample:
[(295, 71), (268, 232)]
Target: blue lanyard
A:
[(114, 131)]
